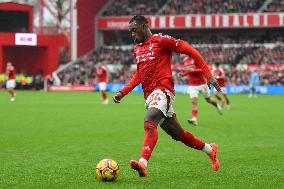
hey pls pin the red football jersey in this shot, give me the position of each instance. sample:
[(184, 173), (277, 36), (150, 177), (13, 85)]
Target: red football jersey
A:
[(195, 76), (154, 61), (220, 76), (101, 73), (11, 72)]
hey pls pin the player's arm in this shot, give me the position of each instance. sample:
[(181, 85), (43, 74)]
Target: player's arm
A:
[(169, 44), (184, 73), (196, 70), (187, 49), (135, 80)]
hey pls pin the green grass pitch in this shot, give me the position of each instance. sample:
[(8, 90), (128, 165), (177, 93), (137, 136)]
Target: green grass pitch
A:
[(55, 140)]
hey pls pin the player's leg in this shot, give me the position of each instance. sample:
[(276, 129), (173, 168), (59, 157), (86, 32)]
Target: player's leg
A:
[(104, 96), (193, 93), (206, 93), (102, 88), (157, 104), (219, 98), (173, 128), (225, 96), (214, 103), (12, 93), (254, 91), (228, 103), (194, 111), (151, 121), (251, 88)]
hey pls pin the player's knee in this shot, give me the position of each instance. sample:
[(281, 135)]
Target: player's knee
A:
[(150, 127), (153, 116)]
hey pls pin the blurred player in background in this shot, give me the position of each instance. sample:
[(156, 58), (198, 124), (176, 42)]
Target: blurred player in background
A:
[(153, 54), (219, 74), (102, 77), (11, 82), (253, 82), (197, 84)]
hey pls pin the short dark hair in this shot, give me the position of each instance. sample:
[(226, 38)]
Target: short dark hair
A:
[(139, 19)]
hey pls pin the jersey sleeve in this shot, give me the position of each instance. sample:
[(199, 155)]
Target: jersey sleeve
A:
[(185, 73), (169, 43), (197, 70), (135, 80), (187, 49)]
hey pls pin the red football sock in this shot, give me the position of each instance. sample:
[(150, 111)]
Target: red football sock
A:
[(150, 139), (104, 95), (190, 140), (194, 113)]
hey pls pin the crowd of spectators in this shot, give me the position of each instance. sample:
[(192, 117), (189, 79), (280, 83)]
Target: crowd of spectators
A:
[(241, 54), (175, 7), (205, 37), (236, 60), (133, 7), (83, 71), (211, 6), (145, 7), (275, 6)]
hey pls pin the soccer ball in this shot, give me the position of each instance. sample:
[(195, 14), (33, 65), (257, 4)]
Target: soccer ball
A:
[(107, 170)]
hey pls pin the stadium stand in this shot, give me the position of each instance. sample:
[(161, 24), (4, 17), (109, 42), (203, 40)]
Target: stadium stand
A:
[(211, 6), (275, 6), (240, 50), (237, 59), (133, 7)]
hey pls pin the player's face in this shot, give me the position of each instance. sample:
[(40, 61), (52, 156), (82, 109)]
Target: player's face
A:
[(137, 31)]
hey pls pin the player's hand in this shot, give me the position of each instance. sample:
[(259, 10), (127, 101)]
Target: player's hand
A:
[(213, 81), (117, 97)]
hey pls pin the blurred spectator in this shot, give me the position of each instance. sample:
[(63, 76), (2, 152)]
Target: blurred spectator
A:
[(38, 82), (275, 6), (211, 6)]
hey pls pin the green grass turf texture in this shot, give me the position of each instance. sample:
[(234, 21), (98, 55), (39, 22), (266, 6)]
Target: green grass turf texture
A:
[(55, 140)]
